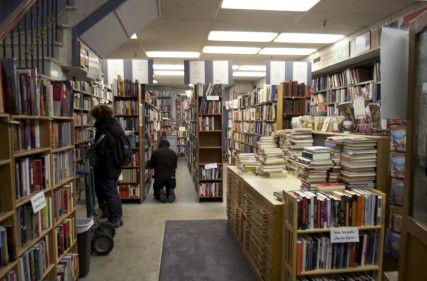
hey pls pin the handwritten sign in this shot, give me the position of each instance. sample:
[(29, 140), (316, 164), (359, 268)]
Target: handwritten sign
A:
[(211, 166), (344, 235), (212, 97), (38, 202), (197, 72)]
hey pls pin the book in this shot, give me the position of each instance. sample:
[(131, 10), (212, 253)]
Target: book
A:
[(63, 166), (125, 107), (7, 248), (392, 244), (26, 135), (129, 191), (209, 174), (397, 165), (31, 175), (397, 189), (61, 134), (210, 189), (63, 200), (32, 225), (397, 135), (34, 262), (67, 268), (65, 235)]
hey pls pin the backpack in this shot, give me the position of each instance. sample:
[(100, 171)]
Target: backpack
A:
[(123, 153)]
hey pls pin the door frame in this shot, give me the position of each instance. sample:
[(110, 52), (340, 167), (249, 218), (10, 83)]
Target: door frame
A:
[(410, 227)]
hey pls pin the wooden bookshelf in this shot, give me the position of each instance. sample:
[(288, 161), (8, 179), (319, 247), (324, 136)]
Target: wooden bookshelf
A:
[(207, 141), (150, 135), (11, 205), (191, 127), (291, 233), (129, 112), (293, 100)]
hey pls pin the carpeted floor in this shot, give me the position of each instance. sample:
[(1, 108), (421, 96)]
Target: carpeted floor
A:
[(202, 250)]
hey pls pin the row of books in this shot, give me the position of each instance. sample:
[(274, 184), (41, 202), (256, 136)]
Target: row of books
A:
[(293, 142), (316, 252), (257, 128), (63, 200), (83, 135), (130, 175), (209, 106), (211, 90), (11, 275), (209, 174), (358, 207), (61, 134), (298, 106), (126, 87), (32, 225), (242, 147), (247, 162), (67, 268), (7, 249), (82, 119), (24, 93), (128, 124), (339, 277), (125, 107), (84, 102), (210, 189), (135, 160), (129, 191), (63, 166), (33, 263), (245, 138), (31, 175), (209, 123), (295, 89), (65, 235), (314, 164), (26, 135)]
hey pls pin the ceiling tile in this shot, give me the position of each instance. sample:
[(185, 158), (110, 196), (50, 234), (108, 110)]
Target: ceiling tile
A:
[(192, 3), (375, 7), (193, 13), (173, 25)]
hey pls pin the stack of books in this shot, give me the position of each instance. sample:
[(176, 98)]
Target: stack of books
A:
[(294, 145), (269, 156), (335, 143), (247, 162), (315, 161), (359, 161)]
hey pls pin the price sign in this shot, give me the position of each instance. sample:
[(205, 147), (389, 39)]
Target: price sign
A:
[(344, 235), (38, 202), (212, 97), (211, 166)]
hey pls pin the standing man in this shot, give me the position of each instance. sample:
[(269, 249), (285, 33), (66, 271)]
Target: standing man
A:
[(164, 162), (108, 167)]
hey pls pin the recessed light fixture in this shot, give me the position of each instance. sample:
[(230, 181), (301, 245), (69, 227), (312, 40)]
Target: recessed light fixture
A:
[(172, 54), (252, 68), (249, 74), (168, 72), (241, 36), (134, 36), (270, 5), (230, 50), (308, 38), (287, 51), (168, 66), (235, 67)]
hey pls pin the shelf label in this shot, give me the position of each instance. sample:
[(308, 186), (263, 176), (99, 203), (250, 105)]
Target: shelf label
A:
[(344, 235), (211, 166), (38, 202), (212, 97)]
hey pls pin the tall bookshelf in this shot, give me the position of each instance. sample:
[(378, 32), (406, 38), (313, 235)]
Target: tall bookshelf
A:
[(191, 134), (49, 233), (296, 229), (151, 134), (128, 110), (293, 101), (253, 115), (207, 169)]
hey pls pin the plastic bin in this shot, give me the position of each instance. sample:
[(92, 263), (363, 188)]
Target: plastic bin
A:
[(84, 239)]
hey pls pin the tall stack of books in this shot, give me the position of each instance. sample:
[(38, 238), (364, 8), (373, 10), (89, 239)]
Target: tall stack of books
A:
[(247, 162), (295, 143), (269, 156), (315, 161), (359, 162), (335, 143)]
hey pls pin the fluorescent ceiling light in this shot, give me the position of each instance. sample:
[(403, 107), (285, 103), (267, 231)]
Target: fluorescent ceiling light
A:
[(235, 67), (287, 51), (168, 72), (168, 66), (172, 54), (230, 50), (241, 36), (270, 5), (252, 68), (249, 74), (134, 36), (308, 38)]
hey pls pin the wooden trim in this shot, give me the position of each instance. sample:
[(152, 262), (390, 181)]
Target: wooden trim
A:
[(15, 17)]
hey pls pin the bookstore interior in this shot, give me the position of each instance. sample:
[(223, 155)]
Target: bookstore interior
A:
[(299, 126)]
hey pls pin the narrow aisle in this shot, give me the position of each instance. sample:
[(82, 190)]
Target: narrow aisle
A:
[(138, 244)]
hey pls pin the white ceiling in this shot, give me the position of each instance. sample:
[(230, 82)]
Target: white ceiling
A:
[(184, 25)]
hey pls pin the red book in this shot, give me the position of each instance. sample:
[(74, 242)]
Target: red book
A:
[(319, 207), (299, 257)]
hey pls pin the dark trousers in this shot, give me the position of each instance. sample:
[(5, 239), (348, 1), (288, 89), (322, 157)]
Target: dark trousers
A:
[(161, 181), (106, 191)]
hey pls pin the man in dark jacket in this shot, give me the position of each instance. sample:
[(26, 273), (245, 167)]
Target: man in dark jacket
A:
[(164, 162), (107, 169)]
